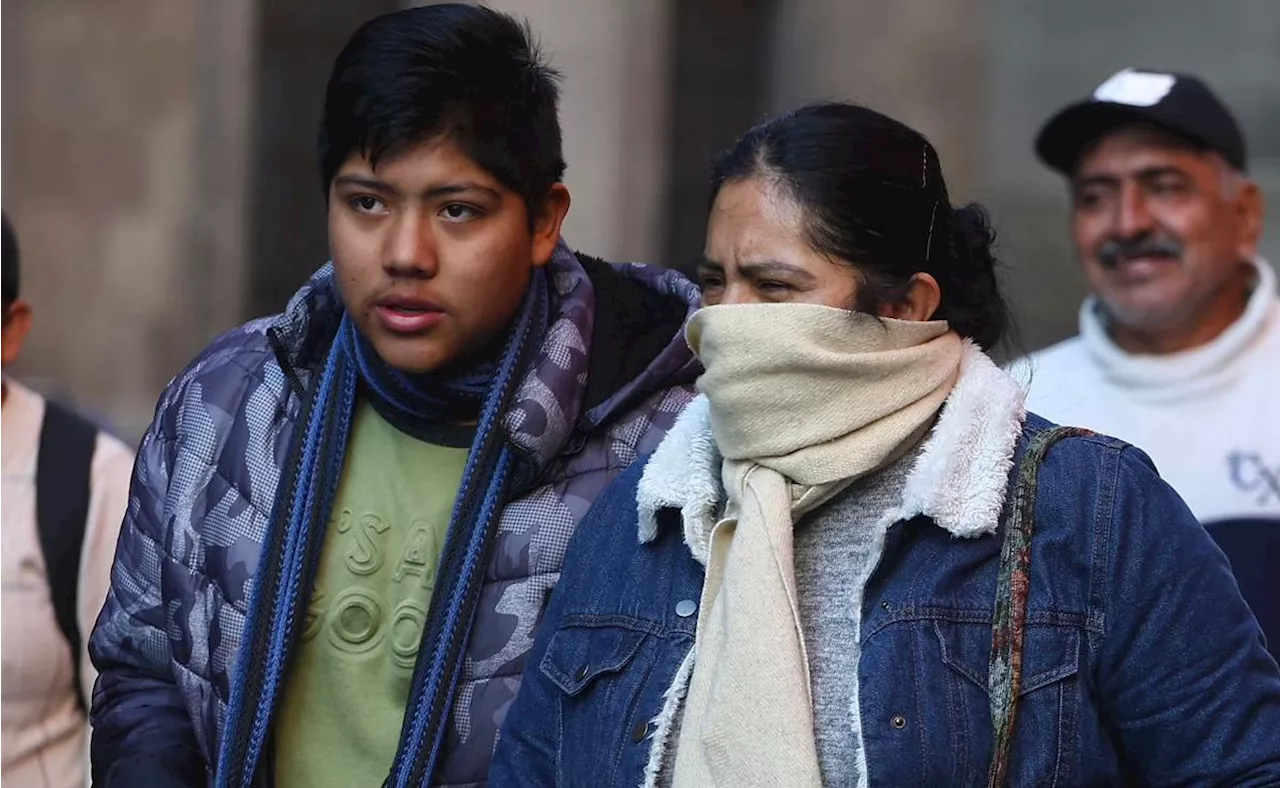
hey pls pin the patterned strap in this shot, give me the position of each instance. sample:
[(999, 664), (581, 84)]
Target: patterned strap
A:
[(1004, 676)]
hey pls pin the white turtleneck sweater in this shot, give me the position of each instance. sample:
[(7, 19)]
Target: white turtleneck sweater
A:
[(1209, 417), (43, 738)]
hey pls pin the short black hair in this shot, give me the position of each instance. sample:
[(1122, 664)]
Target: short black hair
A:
[(874, 198), (10, 262), (463, 71)]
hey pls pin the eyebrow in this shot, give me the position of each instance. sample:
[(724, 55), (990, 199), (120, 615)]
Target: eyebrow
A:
[(442, 190), (760, 269)]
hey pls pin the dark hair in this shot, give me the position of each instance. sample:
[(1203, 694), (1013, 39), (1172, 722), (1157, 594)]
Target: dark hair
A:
[(10, 263), (873, 197), (467, 72)]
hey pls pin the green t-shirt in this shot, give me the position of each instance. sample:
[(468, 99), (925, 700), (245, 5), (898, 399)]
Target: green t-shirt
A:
[(344, 698)]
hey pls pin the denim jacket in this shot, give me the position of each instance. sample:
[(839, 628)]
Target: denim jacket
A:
[(1142, 663)]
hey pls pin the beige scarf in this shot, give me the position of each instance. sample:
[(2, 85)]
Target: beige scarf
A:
[(804, 399)]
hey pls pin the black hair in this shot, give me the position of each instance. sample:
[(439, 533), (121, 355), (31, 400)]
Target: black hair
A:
[(874, 198), (466, 72), (10, 263)]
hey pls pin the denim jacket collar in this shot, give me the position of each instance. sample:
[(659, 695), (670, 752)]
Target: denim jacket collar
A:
[(959, 481)]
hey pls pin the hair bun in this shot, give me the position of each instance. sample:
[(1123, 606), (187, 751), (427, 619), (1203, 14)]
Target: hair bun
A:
[(974, 237), (976, 309)]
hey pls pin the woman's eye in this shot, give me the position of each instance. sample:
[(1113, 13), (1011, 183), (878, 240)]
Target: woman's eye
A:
[(773, 287), (711, 282)]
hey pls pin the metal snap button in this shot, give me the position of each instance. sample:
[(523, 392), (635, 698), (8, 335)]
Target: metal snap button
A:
[(583, 671), (898, 721), (686, 608), (884, 605), (639, 732)]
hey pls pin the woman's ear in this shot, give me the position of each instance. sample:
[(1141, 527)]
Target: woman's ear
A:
[(920, 302)]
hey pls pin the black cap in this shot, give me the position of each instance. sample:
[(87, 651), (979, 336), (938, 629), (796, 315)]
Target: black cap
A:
[(8, 261), (1178, 103)]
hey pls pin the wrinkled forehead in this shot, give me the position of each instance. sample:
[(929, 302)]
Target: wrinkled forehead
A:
[(753, 217)]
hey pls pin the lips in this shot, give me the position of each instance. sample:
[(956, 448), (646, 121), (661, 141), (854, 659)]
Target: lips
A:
[(408, 315), (1137, 269)]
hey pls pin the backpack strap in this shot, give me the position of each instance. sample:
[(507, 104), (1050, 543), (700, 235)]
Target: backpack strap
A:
[(1013, 585), (67, 443)]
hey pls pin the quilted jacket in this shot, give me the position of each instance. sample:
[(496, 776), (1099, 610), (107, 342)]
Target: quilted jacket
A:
[(613, 373)]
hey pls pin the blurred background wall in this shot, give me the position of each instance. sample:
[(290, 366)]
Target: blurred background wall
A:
[(158, 155)]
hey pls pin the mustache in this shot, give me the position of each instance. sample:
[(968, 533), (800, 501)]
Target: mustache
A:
[(1117, 250)]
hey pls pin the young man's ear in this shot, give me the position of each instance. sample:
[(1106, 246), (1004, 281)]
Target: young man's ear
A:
[(17, 323), (547, 222)]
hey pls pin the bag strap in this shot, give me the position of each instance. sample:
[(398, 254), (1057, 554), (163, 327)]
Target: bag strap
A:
[(1013, 585), (67, 443)]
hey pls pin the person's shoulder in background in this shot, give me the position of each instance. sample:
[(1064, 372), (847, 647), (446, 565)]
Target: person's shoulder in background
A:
[(1056, 379)]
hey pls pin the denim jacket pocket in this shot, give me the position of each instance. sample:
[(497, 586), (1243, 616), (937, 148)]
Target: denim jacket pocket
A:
[(585, 647), (604, 668), (1046, 739)]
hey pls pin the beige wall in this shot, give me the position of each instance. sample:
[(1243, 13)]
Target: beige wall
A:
[(124, 137)]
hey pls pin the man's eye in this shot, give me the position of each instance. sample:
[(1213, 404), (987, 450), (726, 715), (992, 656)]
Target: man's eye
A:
[(1167, 187), (773, 287), (458, 212), (1088, 199), (710, 282), (366, 204)]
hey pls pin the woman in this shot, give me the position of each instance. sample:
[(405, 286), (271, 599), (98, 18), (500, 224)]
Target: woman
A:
[(856, 559)]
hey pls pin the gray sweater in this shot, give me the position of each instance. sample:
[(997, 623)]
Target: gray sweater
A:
[(836, 549)]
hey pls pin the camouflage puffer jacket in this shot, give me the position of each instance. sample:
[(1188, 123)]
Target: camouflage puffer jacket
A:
[(613, 373)]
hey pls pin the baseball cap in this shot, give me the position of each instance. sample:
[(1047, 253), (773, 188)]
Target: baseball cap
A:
[(1178, 103)]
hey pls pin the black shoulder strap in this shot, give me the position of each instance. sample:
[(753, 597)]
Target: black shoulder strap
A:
[(67, 442)]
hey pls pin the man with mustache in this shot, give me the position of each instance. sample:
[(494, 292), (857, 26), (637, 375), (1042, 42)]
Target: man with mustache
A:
[(1179, 344)]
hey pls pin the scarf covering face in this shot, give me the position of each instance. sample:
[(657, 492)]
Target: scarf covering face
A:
[(295, 535), (804, 400)]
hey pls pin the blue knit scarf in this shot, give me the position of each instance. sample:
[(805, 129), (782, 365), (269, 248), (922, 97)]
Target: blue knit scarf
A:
[(295, 536)]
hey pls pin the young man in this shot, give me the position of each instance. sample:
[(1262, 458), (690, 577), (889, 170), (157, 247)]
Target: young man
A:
[(65, 488), (346, 520)]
